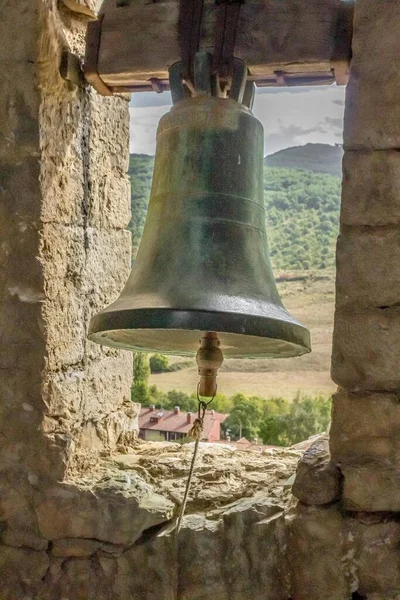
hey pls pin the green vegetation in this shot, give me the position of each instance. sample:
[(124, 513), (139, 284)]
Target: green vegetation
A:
[(140, 173), (274, 421), (297, 422), (302, 200), (141, 374), (159, 363), (302, 218), (302, 205), (319, 158)]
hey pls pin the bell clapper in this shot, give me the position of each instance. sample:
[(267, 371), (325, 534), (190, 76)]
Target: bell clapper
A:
[(209, 359)]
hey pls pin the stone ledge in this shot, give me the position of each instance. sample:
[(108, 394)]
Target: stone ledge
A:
[(117, 512)]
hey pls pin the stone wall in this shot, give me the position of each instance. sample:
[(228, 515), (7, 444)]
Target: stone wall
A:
[(354, 543), (65, 254), (78, 521), (366, 345)]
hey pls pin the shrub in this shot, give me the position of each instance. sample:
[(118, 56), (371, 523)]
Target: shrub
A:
[(159, 363), (140, 393)]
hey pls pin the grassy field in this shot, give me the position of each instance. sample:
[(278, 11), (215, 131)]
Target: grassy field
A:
[(312, 303)]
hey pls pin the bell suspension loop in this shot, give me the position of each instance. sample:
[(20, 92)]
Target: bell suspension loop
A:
[(209, 359)]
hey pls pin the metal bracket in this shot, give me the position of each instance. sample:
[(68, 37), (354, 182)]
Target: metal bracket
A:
[(71, 69)]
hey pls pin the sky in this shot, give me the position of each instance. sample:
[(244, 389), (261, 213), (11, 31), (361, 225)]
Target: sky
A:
[(291, 117)]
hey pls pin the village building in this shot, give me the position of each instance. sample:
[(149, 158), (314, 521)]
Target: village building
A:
[(175, 424)]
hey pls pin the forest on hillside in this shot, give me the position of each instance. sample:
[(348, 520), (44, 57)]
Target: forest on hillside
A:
[(302, 204), (319, 158)]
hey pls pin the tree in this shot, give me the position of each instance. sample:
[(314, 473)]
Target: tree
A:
[(244, 418), (141, 373), (159, 363), (273, 430), (185, 402), (141, 367), (305, 417)]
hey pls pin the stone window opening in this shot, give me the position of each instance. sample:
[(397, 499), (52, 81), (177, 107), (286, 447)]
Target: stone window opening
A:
[(291, 286), (81, 515)]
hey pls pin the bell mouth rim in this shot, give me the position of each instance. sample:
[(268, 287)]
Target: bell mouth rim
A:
[(291, 334)]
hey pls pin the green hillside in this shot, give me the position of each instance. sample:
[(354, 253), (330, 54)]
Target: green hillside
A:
[(302, 200), (319, 158)]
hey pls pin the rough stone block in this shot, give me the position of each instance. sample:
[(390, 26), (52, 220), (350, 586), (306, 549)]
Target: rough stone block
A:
[(64, 189), (259, 569), (109, 137), (376, 556), (359, 285), (63, 256), (64, 393), (108, 385), (365, 428), (92, 404), (160, 560), (318, 480), (366, 350), (110, 205), (371, 488), (371, 188), (14, 19), (117, 513), (74, 547), (65, 328), (315, 546), (81, 579), (237, 551), (20, 226), (372, 116), (21, 572), (18, 520), (65, 113), (108, 266), (19, 109), (88, 8)]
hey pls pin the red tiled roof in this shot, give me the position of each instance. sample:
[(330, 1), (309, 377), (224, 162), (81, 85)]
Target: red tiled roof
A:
[(169, 420)]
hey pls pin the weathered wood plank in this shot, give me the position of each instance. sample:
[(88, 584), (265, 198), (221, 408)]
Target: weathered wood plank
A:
[(139, 39)]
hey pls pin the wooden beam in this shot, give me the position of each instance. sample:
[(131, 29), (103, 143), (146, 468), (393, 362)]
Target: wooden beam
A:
[(292, 37)]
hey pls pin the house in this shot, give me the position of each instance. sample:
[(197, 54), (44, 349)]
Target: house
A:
[(175, 424)]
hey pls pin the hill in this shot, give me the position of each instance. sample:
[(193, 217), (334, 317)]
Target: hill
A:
[(319, 158), (302, 204)]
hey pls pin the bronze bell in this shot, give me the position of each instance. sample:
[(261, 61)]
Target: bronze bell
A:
[(203, 262)]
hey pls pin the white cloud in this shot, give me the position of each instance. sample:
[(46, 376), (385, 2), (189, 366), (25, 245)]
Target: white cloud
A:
[(143, 124), (290, 117)]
